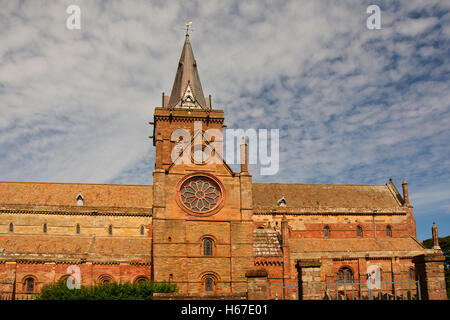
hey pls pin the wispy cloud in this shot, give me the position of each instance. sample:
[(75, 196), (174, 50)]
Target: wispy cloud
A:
[(353, 105)]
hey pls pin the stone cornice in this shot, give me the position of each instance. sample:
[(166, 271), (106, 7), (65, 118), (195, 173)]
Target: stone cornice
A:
[(74, 210), (330, 211), (26, 259)]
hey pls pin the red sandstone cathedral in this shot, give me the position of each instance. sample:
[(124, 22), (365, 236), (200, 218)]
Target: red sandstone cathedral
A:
[(211, 230)]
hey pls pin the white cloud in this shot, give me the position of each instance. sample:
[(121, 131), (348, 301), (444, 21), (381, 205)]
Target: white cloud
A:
[(414, 27), (353, 105)]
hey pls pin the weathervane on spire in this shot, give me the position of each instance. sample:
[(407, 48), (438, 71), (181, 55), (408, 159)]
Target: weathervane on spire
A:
[(187, 27)]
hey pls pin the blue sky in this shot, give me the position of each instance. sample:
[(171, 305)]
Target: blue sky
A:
[(354, 106)]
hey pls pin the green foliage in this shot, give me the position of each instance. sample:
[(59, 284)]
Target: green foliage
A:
[(444, 243), (108, 291)]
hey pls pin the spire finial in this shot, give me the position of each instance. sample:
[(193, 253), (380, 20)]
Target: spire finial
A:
[(187, 28)]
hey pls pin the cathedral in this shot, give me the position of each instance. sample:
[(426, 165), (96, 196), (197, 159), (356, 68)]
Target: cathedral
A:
[(211, 230)]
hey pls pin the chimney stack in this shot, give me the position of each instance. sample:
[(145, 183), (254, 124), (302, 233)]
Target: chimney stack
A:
[(434, 232), (244, 156), (405, 193)]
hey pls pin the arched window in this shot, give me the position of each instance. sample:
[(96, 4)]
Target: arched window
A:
[(411, 275), (208, 247), (44, 228), (388, 231), (29, 284), (359, 231), (64, 278), (209, 284), (345, 275), (142, 230), (326, 231), (141, 279), (110, 229), (78, 229), (105, 279), (11, 227)]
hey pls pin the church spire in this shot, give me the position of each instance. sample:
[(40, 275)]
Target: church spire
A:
[(187, 90)]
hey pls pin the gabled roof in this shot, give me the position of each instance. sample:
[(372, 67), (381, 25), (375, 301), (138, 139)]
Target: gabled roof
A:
[(101, 249), (187, 87), (266, 195), (65, 194), (354, 245)]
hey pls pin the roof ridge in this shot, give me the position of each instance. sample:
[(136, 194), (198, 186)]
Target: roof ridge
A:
[(320, 184), (80, 183)]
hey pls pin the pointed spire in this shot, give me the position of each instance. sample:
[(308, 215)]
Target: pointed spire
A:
[(187, 90)]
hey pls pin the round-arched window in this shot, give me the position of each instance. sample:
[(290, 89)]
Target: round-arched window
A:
[(209, 284), (326, 231), (141, 279), (411, 274), (105, 279), (29, 284), (388, 231), (359, 231), (345, 275), (207, 247)]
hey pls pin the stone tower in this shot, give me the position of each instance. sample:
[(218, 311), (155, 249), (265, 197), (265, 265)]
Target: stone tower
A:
[(202, 228)]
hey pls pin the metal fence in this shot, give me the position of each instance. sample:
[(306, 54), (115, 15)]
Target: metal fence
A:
[(385, 290), (281, 292), (17, 296)]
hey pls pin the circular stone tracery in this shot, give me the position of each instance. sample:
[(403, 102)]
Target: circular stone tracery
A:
[(200, 194)]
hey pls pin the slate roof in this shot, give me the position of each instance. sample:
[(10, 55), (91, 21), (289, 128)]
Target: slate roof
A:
[(65, 194), (266, 243), (266, 195), (76, 247), (354, 245)]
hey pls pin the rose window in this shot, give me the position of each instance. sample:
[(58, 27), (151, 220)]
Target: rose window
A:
[(200, 194)]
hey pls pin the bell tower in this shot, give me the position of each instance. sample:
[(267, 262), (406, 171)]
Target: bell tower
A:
[(185, 107), (202, 229)]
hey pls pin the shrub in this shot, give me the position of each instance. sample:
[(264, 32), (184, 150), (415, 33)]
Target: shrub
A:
[(108, 291)]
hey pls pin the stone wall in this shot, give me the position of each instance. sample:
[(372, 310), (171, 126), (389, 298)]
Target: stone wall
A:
[(257, 284), (309, 279), (430, 270)]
